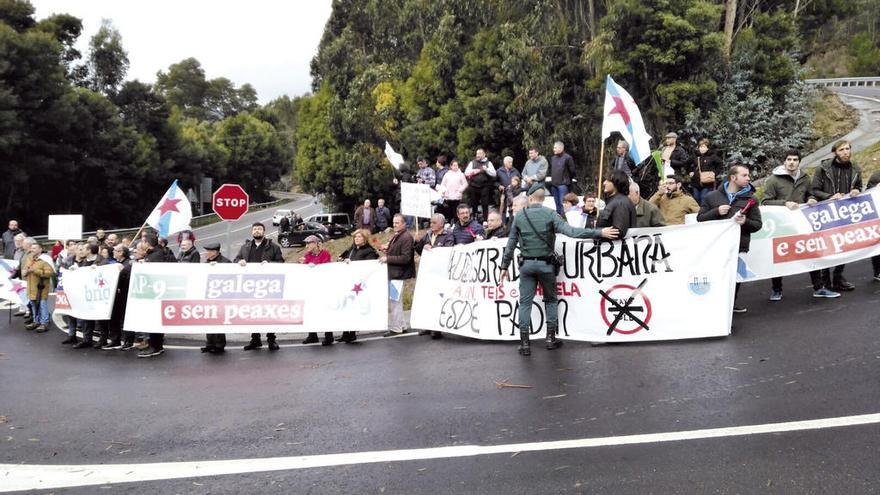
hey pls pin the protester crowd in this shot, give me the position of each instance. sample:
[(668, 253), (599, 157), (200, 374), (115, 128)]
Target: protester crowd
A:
[(477, 203)]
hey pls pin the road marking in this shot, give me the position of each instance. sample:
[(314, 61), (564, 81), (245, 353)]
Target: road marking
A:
[(41, 477)]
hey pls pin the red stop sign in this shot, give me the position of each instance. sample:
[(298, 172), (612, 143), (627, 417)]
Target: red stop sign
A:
[(230, 202)]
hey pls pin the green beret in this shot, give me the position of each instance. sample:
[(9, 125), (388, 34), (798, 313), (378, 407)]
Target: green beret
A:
[(535, 187)]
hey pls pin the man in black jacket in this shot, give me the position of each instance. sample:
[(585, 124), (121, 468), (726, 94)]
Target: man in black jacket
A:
[(9, 240), (562, 174), (790, 187), (259, 250), (675, 156), (836, 179), (154, 254), (728, 201), (215, 343), (619, 212), (480, 174)]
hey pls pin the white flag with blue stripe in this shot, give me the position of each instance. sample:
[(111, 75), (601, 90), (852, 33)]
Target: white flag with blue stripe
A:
[(172, 214), (622, 115)]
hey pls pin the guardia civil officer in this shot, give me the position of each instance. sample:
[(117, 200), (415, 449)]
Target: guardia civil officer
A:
[(534, 230), (215, 343)]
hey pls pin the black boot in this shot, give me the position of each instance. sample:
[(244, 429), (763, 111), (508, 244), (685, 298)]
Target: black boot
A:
[(524, 348), (552, 343), (254, 344)]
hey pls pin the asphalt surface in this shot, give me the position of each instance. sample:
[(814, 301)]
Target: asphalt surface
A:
[(867, 101), (240, 230), (799, 359)]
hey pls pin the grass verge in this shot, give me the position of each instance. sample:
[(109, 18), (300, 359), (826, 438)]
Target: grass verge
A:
[(833, 119)]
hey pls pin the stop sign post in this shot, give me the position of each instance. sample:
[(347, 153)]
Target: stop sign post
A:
[(230, 202)]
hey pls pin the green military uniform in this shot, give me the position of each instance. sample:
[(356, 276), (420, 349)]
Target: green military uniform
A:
[(536, 267)]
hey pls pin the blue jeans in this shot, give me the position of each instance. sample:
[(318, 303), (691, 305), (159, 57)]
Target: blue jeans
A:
[(531, 273), (559, 192), (40, 311)]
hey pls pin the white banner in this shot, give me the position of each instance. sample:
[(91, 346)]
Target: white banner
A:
[(65, 227), (87, 293), (658, 284), (825, 235), (228, 298), (415, 200)]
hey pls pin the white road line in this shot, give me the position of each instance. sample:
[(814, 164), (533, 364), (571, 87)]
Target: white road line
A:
[(17, 477)]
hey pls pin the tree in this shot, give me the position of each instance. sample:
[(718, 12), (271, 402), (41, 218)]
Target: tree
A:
[(185, 87), (667, 53), (108, 61), (865, 56), (17, 14), (257, 153), (66, 29), (749, 123)]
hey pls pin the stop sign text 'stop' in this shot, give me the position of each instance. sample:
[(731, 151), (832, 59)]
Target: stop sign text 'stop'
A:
[(230, 202)]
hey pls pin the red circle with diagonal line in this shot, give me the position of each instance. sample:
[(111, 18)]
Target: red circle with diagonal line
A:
[(625, 291)]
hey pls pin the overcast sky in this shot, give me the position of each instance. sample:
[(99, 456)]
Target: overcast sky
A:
[(268, 43)]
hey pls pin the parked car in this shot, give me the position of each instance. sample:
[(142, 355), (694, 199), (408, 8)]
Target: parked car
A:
[(338, 224), (297, 235), (276, 218)]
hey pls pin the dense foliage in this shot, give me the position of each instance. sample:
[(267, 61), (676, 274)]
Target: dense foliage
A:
[(76, 137), (453, 76), (430, 77)]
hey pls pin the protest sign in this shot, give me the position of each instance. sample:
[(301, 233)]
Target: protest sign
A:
[(415, 199), (88, 292), (228, 298), (825, 235), (65, 227), (657, 284)]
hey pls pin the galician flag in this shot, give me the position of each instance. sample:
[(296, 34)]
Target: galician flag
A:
[(12, 290), (622, 115), (172, 214)]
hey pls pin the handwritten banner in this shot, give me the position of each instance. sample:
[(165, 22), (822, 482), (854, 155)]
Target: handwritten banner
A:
[(228, 298), (415, 199), (657, 284), (825, 235)]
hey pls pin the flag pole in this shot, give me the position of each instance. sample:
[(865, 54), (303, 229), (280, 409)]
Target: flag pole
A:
[(137, 234), (601, 167)]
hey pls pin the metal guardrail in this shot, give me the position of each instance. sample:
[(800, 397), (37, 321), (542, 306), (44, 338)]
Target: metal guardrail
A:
[(845, 82), (197, 221)]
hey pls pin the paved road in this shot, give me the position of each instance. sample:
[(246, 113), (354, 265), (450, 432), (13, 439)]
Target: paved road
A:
[(867, 101), (800, 359), (240, 230)]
